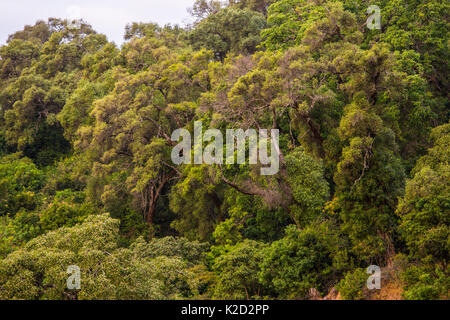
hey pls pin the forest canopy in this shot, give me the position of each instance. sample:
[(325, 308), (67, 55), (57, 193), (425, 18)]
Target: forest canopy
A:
[(86, 176)]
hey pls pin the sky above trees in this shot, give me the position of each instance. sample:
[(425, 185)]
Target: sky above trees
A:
[(106, 16)]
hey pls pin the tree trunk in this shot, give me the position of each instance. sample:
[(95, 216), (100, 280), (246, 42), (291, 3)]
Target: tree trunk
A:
[(154, 193)]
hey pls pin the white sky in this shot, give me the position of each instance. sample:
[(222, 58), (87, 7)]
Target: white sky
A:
[(106, 16)]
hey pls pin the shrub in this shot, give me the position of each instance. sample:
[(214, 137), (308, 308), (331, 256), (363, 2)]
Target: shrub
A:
[(353, 285)]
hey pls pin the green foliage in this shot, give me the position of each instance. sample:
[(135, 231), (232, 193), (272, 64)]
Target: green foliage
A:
[(8, 236), (353, 285), (424, 34), (197, 195), (309, 188), (66, 209), (237, 271), (229, 30), (424, 283), (77, 108), (426, 205), (85, 130), (249, 219), (38, 271), (190, 251), (36, 88), (303, 259), (290, 21), (20, 182), (255, 5)]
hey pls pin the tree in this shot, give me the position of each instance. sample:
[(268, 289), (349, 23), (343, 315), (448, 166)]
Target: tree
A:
[(204, 8), (301, 260), (133, 124), (237, 271), (361, 120), (369, 179), (196, 201), (38, 271), (43, 76), (20, 182), (425, 206), (228, 30), (309, 188), (41, 32), (425, 35)]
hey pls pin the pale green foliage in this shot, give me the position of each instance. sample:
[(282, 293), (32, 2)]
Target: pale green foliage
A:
[(425, 208)]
